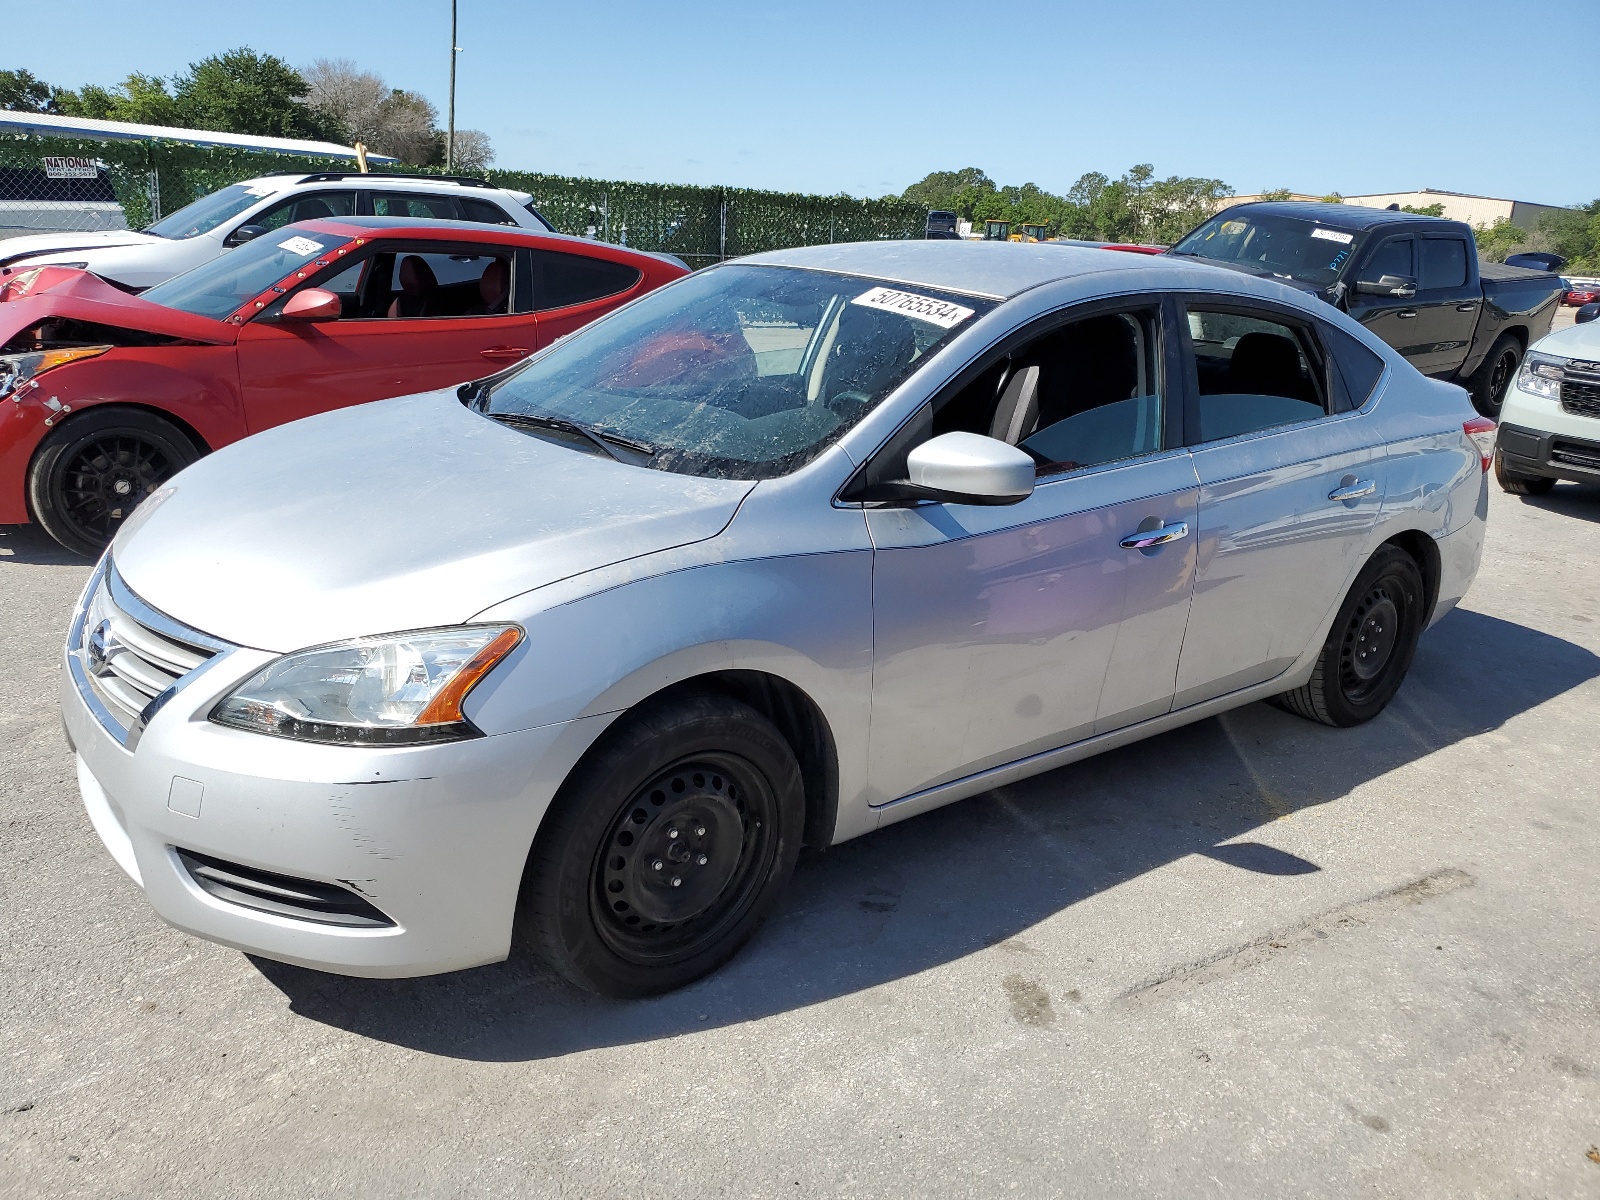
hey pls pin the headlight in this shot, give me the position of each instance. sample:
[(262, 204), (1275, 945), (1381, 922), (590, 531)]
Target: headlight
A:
[(17, 369), (1541, 375), (397, 689)]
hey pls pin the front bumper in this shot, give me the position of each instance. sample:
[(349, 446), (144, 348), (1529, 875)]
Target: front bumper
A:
[(433, 837), (1551, 455)]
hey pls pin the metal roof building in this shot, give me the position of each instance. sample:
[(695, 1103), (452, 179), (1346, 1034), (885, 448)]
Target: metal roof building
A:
[(50, 125)]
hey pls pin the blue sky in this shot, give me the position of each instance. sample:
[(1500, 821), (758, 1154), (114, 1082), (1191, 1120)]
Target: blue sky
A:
[(867, 97)]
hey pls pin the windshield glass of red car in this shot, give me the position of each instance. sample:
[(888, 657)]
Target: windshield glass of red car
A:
[(219, 287), (1288, 247), (738, 372)]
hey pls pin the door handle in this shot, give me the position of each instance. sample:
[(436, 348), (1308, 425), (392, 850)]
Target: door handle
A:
[(1353, 491), (505, 353), (1147, 538), (1407, 314), (1469, 306)]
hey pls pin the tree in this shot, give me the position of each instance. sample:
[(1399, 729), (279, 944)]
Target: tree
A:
[(245, 92), (408, 129), (1277, 194), (1498, 240), (21, 91), (473, 151), (1424, 210), (952, 191), (140, 98), (1574, 234), (348, 97)]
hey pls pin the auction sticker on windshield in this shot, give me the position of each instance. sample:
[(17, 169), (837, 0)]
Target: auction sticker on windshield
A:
[(301, 246), (908, 304), (1333, 235)]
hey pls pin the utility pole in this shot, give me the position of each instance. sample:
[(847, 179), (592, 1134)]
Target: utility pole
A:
[(450, 130)]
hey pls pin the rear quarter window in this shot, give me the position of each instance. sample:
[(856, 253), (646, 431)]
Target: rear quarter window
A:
[(1356, 369), (561, 280)]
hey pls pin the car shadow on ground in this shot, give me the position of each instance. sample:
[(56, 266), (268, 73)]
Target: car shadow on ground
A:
[(940, 886), (1581, 500), (30, 544)]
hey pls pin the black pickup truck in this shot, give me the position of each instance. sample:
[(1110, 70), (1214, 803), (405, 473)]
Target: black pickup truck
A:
[(1414, 281)]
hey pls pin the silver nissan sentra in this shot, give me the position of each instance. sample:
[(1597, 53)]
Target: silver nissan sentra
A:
[(790, 549)]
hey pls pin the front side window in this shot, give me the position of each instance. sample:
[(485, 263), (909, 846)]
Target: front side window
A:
[(1252, 373), (738, 372), (206, 213), (312, 207), (1444, 263), (1268, 244), (1085, 393), (1394, 257), (223, 285), (457, 284)]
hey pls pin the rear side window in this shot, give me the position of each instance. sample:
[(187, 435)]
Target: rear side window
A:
[(1392, 258), (1356, 369), (561, 280), (1252, 374), (1444, 263), (427, 208), (485, 211)]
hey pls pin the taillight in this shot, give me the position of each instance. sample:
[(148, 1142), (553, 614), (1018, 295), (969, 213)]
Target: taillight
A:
[(1481, 431)]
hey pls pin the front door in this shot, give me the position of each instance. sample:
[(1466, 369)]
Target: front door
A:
[(1289, 493), (416, 318), (1447, 304), (1004, 632), (1392, 318)]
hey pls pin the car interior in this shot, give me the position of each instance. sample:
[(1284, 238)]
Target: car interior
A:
[(395, 284), (1252, 374)]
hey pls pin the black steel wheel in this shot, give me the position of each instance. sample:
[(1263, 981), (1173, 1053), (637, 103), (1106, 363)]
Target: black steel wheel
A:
[(1370, 646), (91, 473), (665, 848), (1492, 379)]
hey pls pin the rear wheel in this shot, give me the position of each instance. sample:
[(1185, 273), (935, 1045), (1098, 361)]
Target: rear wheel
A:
[(666, 848), (1518, 484), (1493, 377), (1370, 647), (91, 473)]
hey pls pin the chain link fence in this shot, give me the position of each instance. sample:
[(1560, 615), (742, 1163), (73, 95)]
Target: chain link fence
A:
[(80, 184)]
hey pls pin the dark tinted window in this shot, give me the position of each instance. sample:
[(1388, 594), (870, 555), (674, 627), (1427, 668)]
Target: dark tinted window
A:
[(1356, 368), (1253, 373), (485, 211), (1444, 263), (561, 279), (310, 207), (1391, 258)]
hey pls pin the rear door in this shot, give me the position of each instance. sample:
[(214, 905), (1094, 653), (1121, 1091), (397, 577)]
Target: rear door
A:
[(463, 329), (1290, 490)]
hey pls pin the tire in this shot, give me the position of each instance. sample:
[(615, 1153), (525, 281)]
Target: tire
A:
[(88, 475), (657, 801), (1370, 646), (1494, 375), (1518, 484)]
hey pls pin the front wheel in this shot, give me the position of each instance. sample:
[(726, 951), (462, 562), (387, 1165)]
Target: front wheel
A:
[(89, 474), (1370, 647), (1518, 484), (1492, 379), (666, 848)]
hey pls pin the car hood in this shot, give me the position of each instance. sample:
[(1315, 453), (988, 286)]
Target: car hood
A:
[(401, 514), (28, 298), (29, 245), (1575, 341)]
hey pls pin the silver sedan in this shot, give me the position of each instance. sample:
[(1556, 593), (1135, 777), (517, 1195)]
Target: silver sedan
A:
[(791, 549)]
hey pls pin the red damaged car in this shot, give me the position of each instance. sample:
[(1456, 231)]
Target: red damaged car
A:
[(104, 395)]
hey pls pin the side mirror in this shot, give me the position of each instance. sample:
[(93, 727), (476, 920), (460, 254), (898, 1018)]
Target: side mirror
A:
[(243, 234), (1402, 287), (1587, 313), (313, 304), (967, 468)]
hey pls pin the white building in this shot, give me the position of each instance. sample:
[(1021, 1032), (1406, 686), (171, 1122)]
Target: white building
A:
[(1459, 206)]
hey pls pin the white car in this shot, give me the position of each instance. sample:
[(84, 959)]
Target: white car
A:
[(214, 224), (1550, 424)]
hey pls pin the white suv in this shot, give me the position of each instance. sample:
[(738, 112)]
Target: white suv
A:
[(1550, 423), (216, 223)]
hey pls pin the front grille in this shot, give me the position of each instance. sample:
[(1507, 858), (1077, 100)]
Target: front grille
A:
[(1576, 454), (127, 655), (282, 895), (1580, 397)]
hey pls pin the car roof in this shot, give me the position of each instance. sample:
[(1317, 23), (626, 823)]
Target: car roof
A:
[(1346, 216), (285, 180), (998, 270)]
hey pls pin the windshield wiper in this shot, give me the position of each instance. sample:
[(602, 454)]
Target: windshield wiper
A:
[(604, 440)]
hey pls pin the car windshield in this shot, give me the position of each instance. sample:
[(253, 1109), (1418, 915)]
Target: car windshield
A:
[(206, 213), (220, 286), (1269, 244), (737, 372)]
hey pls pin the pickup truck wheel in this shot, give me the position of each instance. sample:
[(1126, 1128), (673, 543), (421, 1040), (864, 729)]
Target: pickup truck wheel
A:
[(666, 848), (1370, 646), (89, 474), (1493, 377), (1517, 484)]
